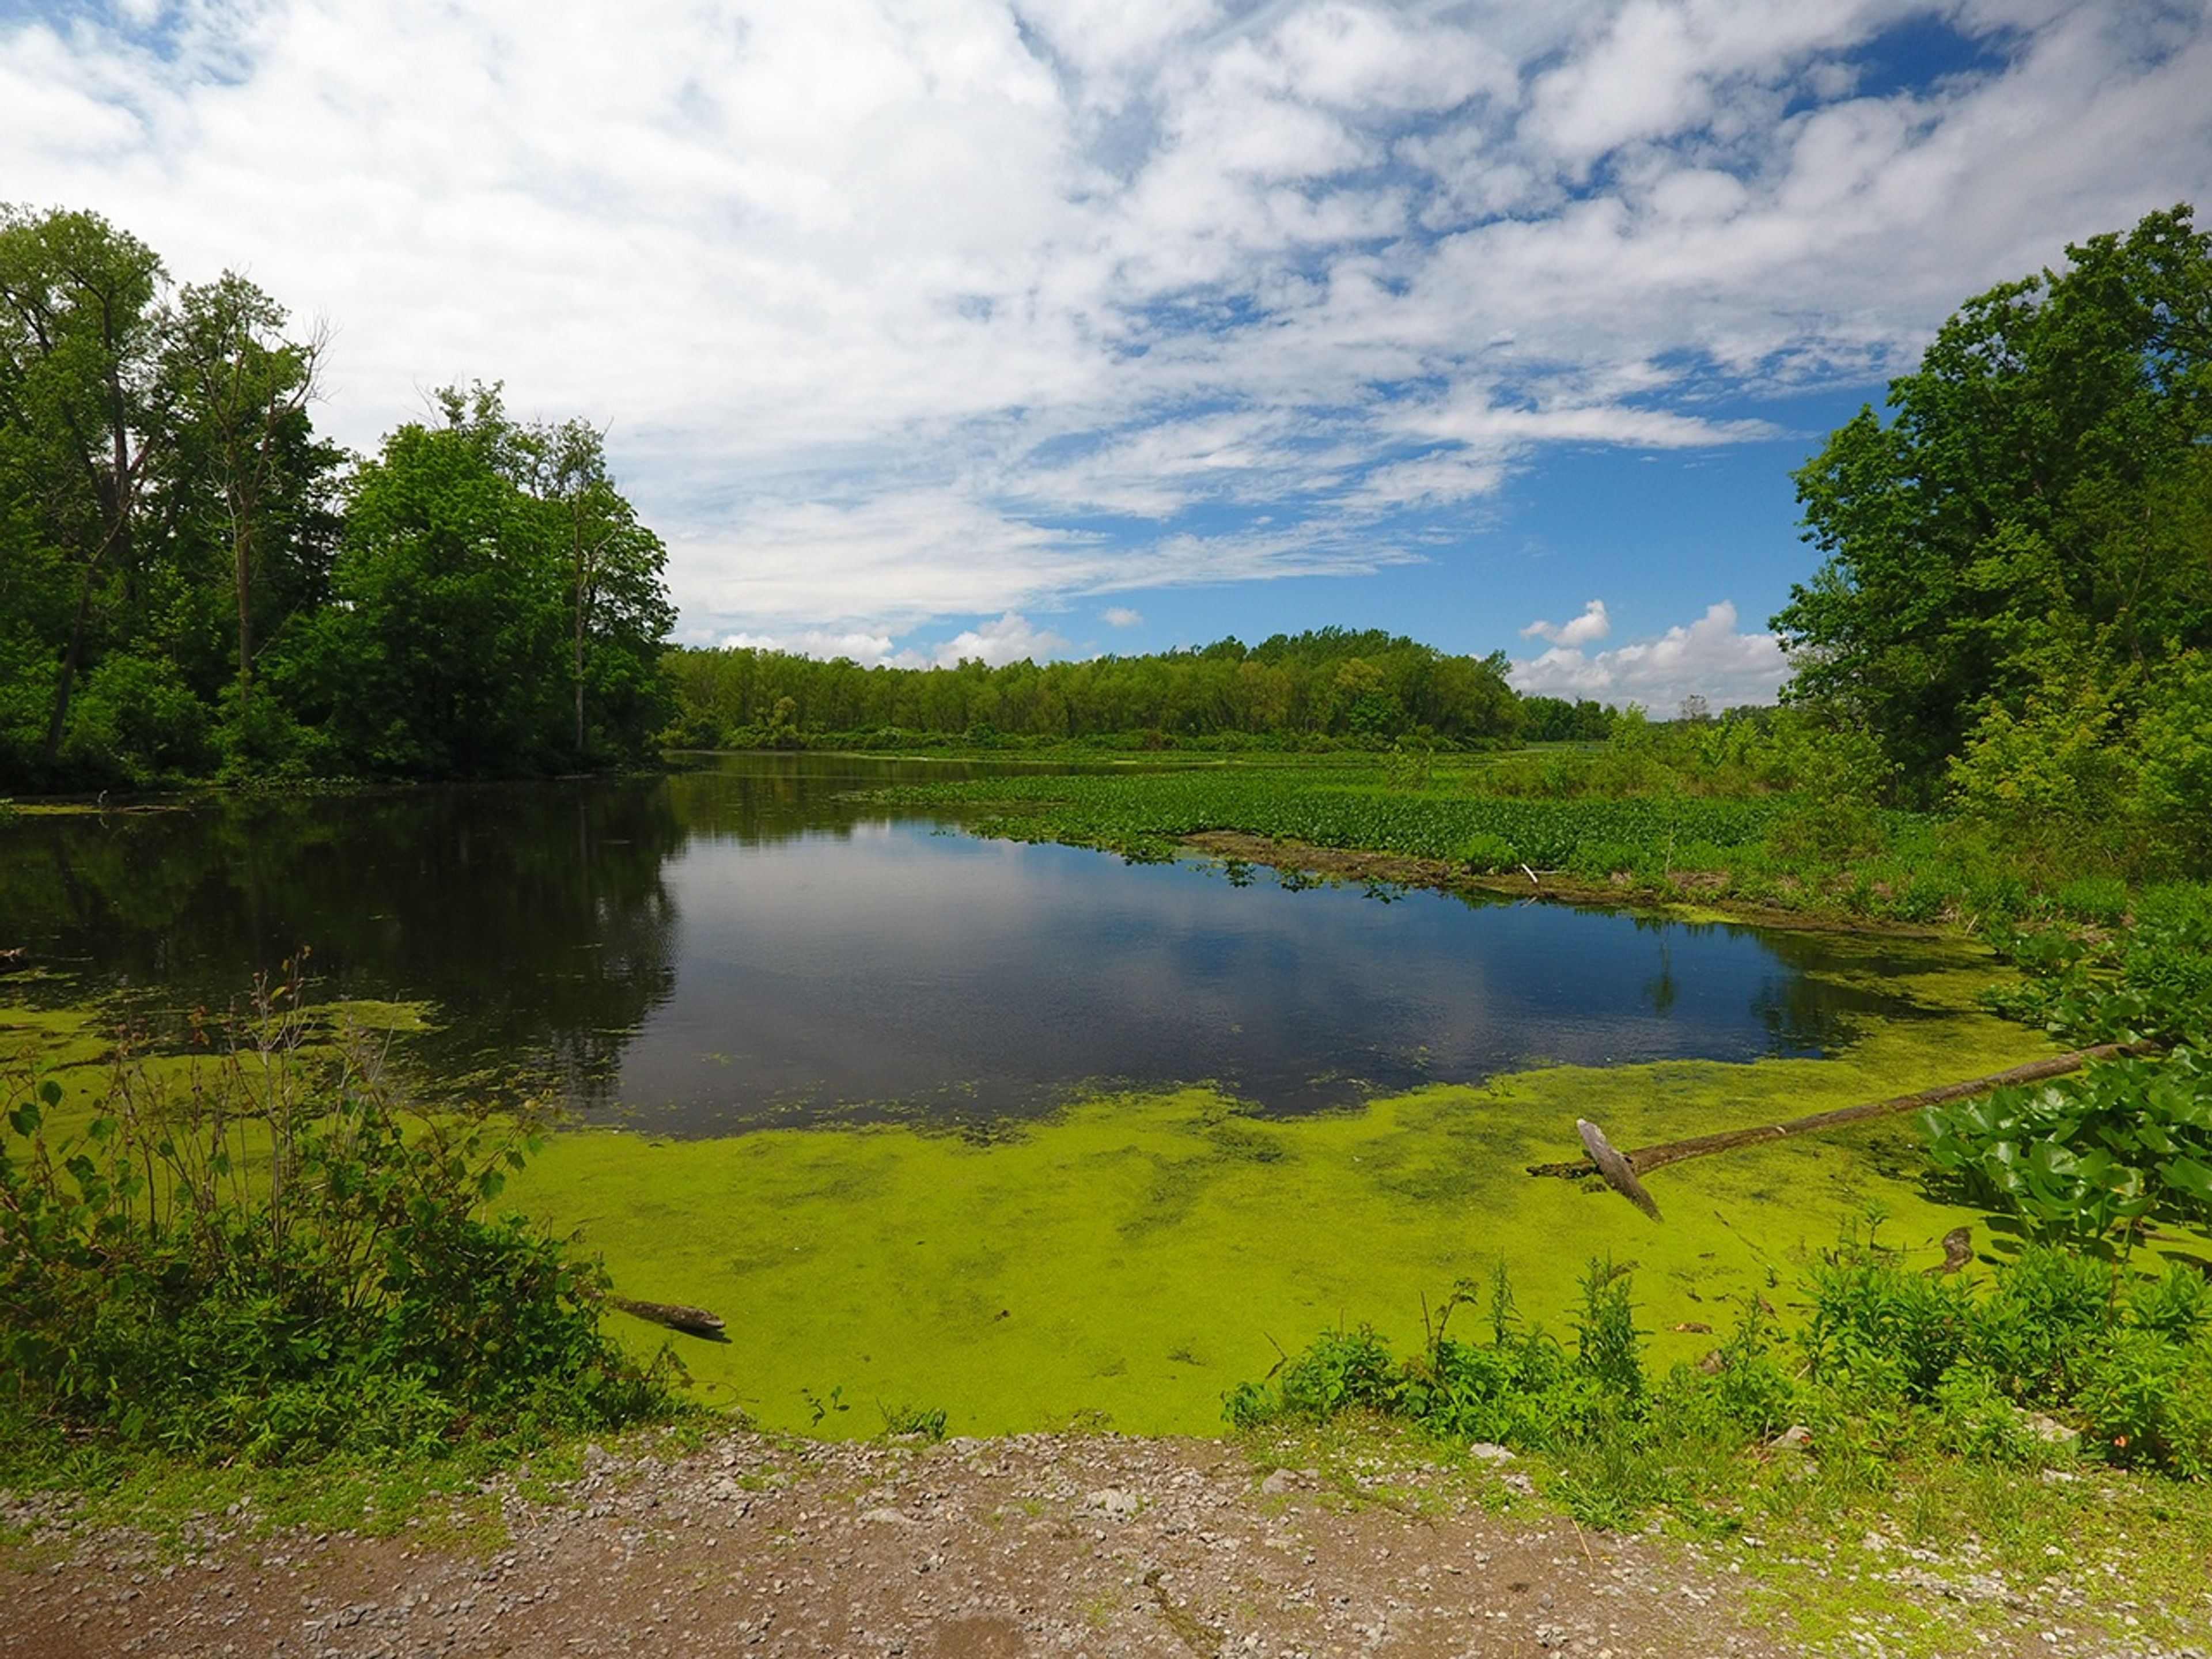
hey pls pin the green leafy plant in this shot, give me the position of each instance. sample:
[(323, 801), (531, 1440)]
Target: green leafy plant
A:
[(913, 1422), (2083, 1158), (263, 1254)]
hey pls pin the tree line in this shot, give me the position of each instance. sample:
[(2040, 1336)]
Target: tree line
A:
[(194, 584), (1331, 685)]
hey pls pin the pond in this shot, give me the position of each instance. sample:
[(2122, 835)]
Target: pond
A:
[(775, 996), (758, 943)]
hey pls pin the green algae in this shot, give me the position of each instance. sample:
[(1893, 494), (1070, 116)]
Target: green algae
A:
[(1138, 1254)]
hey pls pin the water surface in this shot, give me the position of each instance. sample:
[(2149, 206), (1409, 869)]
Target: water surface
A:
[(758, 942)]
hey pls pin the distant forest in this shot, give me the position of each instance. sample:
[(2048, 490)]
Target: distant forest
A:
[(1328, 686)]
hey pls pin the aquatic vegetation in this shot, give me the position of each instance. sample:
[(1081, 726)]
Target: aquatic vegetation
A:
[(1138, 1254), (2088, 1159), (1336, 807)]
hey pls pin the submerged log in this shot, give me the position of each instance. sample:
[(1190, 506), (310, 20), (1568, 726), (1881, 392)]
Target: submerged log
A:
[(693, 1322), (1644, 1159)]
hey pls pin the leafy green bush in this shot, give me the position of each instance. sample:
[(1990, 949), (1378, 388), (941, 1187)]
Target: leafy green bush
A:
[(2044, 1318), (1974, 1419), (274, 1259), (1486, 854), (2148, 1399), (1888, 1360), (1884, 1334)]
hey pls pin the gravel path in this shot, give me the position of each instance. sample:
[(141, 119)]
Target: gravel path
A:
[(975, 1549)]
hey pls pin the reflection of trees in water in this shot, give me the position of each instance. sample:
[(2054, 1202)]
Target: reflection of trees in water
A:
[(533, 917), (1806, 1009), (1662, 991), (778, 797)]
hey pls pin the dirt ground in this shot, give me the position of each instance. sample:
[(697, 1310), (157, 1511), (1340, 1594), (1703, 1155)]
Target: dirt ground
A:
[(979, 1549)]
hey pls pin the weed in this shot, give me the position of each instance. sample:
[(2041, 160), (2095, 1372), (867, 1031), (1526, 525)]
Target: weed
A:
[(925, 1423)]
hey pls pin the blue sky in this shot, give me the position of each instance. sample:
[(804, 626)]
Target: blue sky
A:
[(925, 328)]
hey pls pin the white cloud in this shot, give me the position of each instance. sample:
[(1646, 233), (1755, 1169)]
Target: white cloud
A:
[(1010, 639), (866, 649), (1709, 659), (880, 296), (1592, 624), (1120, 616)]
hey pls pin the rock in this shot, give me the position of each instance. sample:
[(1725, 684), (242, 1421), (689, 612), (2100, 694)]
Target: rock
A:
[(1796, 1437), (884, 1516), (1278, 1482), (1111, 1500), (1489, 1452)]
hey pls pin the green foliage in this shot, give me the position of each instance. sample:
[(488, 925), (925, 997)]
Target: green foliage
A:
[(1350, 812), (180, 598), (480, 627), (1889, 1363), (1605, 1337), (2015, 560), (2173, 743), (1486, 854), (2149, 1401), (925, 1423), (1887, 1334), (2087, 1158), (2042, 1320), (2150, 979), (272, 1259), (1330, 689), (2083, 1158)]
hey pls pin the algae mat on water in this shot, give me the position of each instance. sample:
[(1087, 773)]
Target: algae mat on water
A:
[(1136, 1255)]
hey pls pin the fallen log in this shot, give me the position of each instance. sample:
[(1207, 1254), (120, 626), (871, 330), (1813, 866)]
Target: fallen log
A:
[(1645, 1159), (1614, 1167), (693, 1322)]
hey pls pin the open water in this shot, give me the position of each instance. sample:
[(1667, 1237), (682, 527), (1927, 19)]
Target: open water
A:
[(759, 943)]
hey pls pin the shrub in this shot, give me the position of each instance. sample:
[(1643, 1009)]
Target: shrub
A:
[(2045, 1315), (1487, 855), (278, 1259), (1882, 1332), (2146, 1400)]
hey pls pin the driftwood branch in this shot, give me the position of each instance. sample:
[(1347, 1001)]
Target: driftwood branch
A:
[(677, 1317), (1645, 1159)]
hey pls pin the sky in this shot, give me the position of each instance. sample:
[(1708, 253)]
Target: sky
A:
[(925, 329)]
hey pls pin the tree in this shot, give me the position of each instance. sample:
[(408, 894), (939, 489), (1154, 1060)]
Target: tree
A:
[(77, 328), (2032, 516), (619, 610), (238, 391), (471, 612)]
